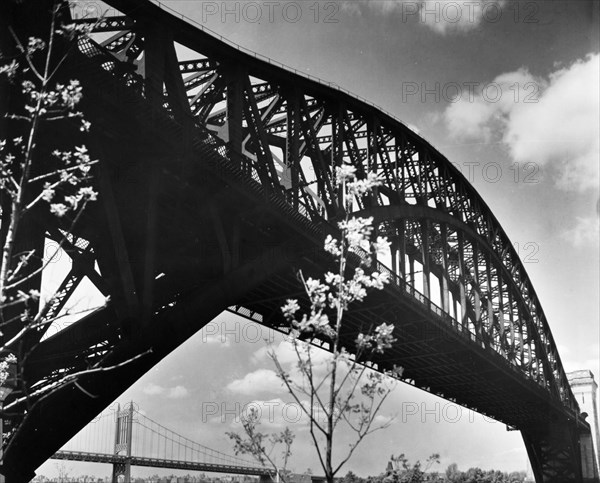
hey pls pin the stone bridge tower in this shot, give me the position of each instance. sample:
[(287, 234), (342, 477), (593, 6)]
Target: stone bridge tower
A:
[(584, 388)]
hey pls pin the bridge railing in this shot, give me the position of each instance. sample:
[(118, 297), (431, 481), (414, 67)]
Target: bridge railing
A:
[(451, 322)]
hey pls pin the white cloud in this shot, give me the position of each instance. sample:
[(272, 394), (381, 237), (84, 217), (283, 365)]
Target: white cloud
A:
[(563, 127), (153, 389), (351, 7), (586, 231), (215, 339), (383, 420), (445, 17), (469, 120), (441, 16), (553, 122), (261, 380), (176, 392)]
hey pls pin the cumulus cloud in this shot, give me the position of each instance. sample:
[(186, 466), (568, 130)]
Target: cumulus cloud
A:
[(175, 392), (445, 17), (552, 122), (442, 16), (383, 420), (563, 127), (470, 120), (276, 414), (261, 380), (153, 389), (584, 232)]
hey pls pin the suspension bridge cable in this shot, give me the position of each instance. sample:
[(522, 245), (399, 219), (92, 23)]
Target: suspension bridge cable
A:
[(169, 436)]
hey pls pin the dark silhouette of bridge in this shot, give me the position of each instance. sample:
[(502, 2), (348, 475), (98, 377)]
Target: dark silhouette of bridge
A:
[(216, 184), (126, 438)]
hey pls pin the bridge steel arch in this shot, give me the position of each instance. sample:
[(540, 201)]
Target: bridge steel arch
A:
[(216, 181)]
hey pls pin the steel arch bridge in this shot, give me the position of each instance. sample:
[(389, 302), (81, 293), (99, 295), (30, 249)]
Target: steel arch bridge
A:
[(216, 184)]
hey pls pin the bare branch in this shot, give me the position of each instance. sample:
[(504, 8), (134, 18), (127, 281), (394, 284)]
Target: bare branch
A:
[(70, 378), (25, 54)]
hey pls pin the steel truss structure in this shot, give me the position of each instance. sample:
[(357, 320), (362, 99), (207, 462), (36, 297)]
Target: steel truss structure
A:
[(216, 180)]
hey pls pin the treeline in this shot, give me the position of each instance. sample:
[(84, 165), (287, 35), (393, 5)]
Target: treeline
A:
[(477, 475), (399, 470)]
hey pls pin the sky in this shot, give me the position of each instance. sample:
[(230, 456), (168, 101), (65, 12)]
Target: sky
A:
[(509, 93)]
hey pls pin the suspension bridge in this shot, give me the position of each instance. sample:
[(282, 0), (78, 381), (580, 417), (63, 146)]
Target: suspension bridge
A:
[(126, 437), (216, 182)]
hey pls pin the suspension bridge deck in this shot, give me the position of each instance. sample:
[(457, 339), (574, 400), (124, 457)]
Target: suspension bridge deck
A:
[(158, 463), (126, 438)]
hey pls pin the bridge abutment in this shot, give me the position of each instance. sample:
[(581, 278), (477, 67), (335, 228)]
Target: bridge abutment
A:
[(588, 464)]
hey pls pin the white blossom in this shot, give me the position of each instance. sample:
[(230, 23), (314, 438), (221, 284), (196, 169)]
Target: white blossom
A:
[(357, 232), (381, 245), (343, 173), (10, 69), (58, 209), (332, 246), (34, 44), (47, 192), (332, 278), (290, 308), (378, 280), (360, 187), (87, 193)]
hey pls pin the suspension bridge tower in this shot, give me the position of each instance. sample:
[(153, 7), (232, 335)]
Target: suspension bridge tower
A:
[(123, 434)]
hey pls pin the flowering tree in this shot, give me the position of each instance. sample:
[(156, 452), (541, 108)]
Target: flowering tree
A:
[(35, 178), (262, 445), (345, 392)]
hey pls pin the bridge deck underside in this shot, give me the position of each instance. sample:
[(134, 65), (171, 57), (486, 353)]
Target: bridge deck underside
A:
[(434, 354)]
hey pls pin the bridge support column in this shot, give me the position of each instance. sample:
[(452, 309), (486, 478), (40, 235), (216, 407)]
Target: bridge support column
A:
[(123, 433), (560, 453), (121, 469), (268, 479), (588, 461)]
